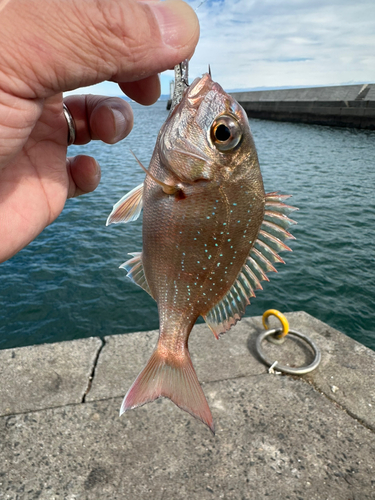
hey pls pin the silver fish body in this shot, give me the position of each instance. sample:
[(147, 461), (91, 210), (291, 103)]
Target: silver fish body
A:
[(196, 241), (210, 233)]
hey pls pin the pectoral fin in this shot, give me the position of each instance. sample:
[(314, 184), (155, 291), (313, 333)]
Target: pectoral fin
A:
[(128, 208)]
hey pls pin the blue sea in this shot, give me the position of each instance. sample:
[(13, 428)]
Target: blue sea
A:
[(67, 283)]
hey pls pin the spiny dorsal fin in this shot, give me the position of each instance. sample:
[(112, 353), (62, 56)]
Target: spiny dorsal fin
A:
[(128, 208), (263, 253), (136, 273), (231, 308)]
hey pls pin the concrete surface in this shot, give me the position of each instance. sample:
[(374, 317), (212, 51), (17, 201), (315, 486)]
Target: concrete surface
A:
[(280, 437), (345, 105), (44, 376)]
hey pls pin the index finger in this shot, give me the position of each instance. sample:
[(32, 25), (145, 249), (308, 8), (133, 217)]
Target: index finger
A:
[(145, 91)]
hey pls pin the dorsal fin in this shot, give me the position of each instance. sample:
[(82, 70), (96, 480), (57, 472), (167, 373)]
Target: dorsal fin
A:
[(264, 251), (128, 208), (136, 273), (231, 308)]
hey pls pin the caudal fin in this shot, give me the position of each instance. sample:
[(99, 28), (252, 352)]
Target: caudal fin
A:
[(173, 379)]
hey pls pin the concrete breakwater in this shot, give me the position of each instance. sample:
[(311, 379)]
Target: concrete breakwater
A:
[(341, 106), (276, 436)]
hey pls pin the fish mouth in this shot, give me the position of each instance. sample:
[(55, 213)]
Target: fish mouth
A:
[(199, 88)]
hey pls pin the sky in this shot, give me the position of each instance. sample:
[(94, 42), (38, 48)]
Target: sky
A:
[(252, 44)]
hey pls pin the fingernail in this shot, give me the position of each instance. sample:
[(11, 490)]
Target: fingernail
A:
[(120, 125), (177, 21)]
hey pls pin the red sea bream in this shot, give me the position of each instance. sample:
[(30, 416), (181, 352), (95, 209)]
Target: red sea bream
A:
[(210, 234)]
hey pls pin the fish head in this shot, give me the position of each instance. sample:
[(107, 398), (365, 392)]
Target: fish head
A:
[(207, 136)]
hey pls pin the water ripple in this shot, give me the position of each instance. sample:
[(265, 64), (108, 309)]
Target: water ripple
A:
[(66, 284)]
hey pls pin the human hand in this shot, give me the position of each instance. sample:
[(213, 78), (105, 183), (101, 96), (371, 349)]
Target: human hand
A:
[(52, 46)]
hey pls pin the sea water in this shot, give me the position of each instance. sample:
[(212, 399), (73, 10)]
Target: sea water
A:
[(67, 283)]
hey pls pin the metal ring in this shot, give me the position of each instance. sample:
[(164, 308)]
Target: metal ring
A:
[(71, 125), (286, 369), (280, 338)]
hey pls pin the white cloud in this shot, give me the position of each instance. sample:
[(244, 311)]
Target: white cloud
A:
[(270, 43), (282, 43)]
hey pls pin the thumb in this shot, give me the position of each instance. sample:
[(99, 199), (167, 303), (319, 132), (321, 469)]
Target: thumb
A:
[(53, 46)]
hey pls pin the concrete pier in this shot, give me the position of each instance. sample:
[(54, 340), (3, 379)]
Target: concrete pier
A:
[(343, 106), (277, 436)]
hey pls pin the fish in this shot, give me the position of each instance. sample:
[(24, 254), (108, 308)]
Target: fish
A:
[(210, 234)]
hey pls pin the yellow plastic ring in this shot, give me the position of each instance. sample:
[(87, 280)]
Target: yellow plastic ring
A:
[(280, 316)]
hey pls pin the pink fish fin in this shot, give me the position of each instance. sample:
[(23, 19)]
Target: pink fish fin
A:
[(263, 254), (128, 208), (173, 378), (136, 273), (272, 234), (276, 197), (232, 306), (270, 239)]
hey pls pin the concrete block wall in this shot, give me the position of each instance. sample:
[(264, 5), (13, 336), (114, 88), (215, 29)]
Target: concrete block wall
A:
[(343, 106)]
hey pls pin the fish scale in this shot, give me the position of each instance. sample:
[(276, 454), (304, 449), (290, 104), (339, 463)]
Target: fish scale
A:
[(210, 235), (205, 252)]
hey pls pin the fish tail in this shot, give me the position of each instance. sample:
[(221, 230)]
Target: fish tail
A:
[(164, 375)]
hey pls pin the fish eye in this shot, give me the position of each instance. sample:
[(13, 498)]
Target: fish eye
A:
[(226, 132)]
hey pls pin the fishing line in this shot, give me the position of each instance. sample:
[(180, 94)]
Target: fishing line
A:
[(204, 1)]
